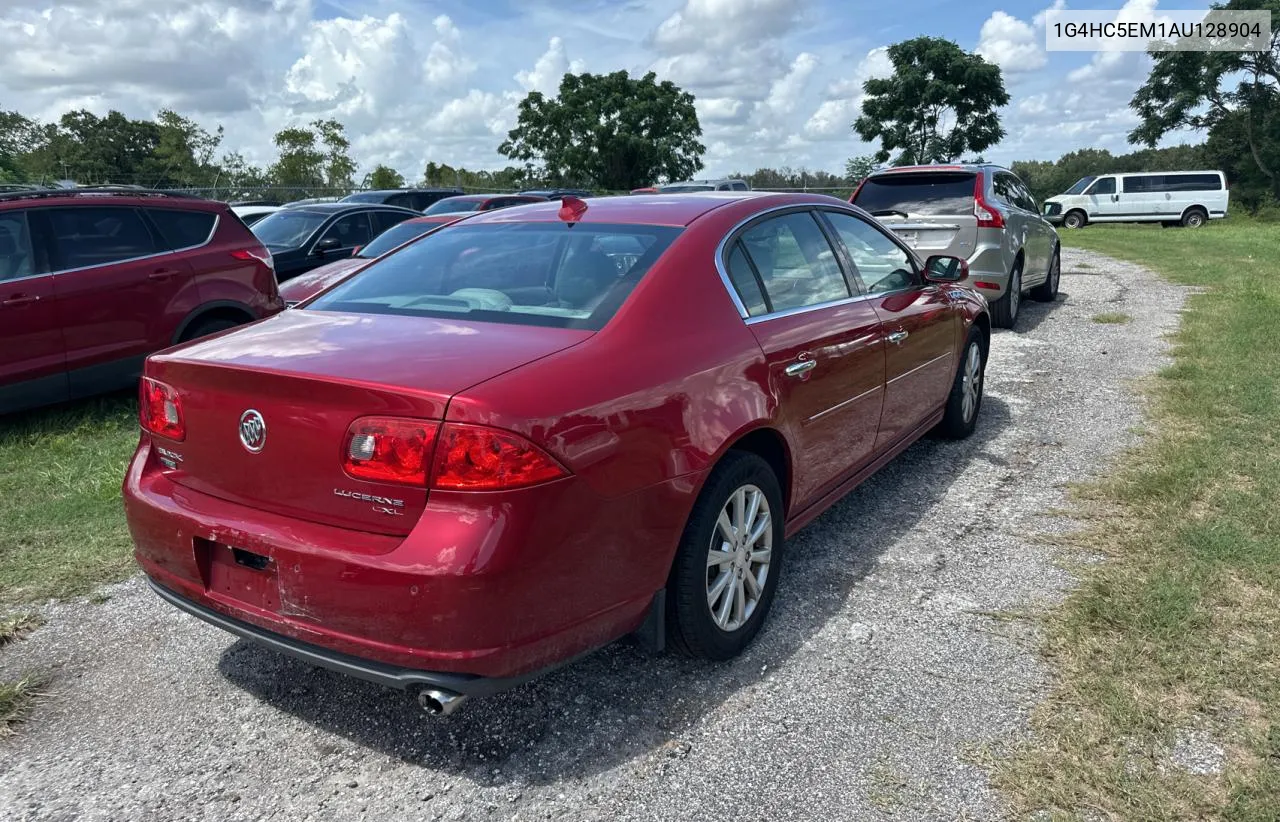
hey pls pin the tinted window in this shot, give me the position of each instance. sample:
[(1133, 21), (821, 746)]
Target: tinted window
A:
[(1080, 185), (393, 237), (743, 277), (288, 229), (182, 229), (16, 258), (1173, 182), (527, 273), (1024, 197), (96, 236), (364, 197), (739, 186), (881, 263), (350, 230), (923, 194), (795, 262), (450, 205), (1105, 185), (1004, 189)]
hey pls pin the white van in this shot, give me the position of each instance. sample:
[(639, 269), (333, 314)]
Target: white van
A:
[(1187, 198)]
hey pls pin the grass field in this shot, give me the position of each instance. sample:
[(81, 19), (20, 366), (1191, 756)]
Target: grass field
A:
[(1170, 649), (60, 475)]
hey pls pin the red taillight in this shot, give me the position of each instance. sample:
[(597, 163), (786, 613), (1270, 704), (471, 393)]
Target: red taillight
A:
[(260, 254), (474, 458), (854, 195), (160, 410), (988, 216), (981, 284), (386, 449)]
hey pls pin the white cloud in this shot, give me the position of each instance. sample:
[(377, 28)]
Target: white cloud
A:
[(552, 66), (1011, 44), (843, 103)]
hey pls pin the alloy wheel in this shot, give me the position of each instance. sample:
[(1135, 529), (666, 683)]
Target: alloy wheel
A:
[(738, 557), (971, 382)]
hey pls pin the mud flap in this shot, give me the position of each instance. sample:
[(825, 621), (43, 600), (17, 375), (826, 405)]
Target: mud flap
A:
[(652, 633)]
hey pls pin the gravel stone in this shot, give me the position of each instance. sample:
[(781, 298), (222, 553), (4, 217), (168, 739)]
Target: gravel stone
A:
[(879, 673)]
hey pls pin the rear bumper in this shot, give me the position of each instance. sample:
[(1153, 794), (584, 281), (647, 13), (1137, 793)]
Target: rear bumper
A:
[(389, 676), (988, 266)]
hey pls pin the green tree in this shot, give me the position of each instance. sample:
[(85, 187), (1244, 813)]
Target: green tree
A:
[(238, 178), (339, 168), (301, 162), (940, 103), (609, 130), (384, 177), (1205, 91), (184, 153), (857, 168), (19, 137)]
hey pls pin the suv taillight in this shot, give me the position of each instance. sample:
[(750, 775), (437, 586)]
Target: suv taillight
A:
[(988, 215), (160, 410), (260, 254), (466, 457), (854, 195)]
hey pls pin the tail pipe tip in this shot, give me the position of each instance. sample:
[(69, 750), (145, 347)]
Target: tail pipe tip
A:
[(437, 702)]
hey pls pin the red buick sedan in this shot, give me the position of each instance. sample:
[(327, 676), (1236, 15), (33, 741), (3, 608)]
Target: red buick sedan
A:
[(510, 442)]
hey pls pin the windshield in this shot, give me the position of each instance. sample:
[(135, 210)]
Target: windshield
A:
[(395, 236), (288, 229), (1080, 185), (554, 274), (365, 197), (912, 194), (452, 205)]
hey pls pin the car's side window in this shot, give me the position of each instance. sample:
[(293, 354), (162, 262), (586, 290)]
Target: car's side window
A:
[(1026, 197), (382, 220), (89, 236), (1003, 185), (16, 257), (796, 263), (743, 277), (351, 230), (882, 265), (182, 229), (1105, 185)]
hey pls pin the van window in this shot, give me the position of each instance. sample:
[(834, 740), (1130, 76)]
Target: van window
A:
[(1172, 182), (1105, 185)]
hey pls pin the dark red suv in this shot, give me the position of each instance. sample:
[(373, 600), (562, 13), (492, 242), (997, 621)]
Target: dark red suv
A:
[(91, 281)]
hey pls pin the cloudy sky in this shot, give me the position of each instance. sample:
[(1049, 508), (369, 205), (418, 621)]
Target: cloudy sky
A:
[(777, 81)]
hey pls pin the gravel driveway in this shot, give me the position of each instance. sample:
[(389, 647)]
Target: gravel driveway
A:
[(881, 677)]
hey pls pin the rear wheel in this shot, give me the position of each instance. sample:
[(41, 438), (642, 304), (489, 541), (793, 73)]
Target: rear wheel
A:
[(1194, 218), (1074, 219), (203, 328), (965, 400), (726, 568), (1047, 291), (1004, 311)]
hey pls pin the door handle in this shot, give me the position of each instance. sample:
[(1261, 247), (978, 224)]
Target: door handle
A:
[(21, 299), (799, 369), (1115, 198), (162, 274), (897, 337)]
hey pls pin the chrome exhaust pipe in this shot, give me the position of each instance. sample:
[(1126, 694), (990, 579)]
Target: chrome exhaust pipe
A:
[(440, 703)]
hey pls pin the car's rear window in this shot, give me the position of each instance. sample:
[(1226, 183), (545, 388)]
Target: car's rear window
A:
[(912, 194), (395, 236), (452, 205), (551, 274)]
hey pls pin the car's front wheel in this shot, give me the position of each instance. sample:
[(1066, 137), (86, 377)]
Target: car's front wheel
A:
[(726, 568), (1074, 219)]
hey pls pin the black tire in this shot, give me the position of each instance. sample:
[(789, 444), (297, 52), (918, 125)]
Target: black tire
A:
[(959, 420), (1194, 218), (203, 328), (1075, 219), (1047, 291), (693, 629), (1004, 311)]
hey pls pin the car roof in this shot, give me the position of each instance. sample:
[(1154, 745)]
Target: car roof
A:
[(107, 195), (390, 191), (971, 168), (654, 209), (335, 208)]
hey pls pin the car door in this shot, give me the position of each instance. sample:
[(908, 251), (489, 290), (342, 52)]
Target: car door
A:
[(1017, 224), (821, 341), (1043, 238), (32, 355), (113, 281), (350, 231), (1104, 199), (920, 326)]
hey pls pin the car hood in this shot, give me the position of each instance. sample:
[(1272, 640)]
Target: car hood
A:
[(307, 285)]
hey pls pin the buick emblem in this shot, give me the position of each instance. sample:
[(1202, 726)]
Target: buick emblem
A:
[(253, 431)]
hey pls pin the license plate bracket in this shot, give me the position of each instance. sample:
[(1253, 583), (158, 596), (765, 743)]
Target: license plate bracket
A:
[(239, 575)]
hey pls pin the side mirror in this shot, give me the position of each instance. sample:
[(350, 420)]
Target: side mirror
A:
[(943, 269), (326, 245)]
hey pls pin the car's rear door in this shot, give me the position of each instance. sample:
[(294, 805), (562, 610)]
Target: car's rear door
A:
[(113, 279), (822, 342), (32, 355), (919, 324)]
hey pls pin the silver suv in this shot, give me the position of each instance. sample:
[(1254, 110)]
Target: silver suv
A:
[(982, 213)]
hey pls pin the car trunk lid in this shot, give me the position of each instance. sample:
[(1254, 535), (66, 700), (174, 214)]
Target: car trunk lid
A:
[(309, 375), (931, 211)]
